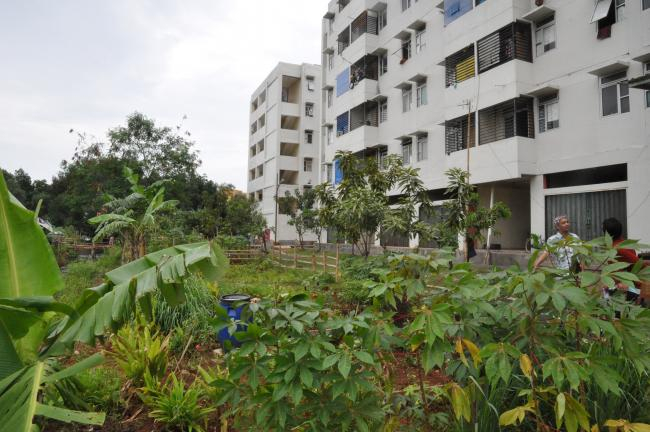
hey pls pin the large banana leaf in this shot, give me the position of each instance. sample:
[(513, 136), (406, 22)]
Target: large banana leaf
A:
[(19, 402), (107, 306), (23, 246)]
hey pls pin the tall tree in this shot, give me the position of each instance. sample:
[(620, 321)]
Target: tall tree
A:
[(359, 207)]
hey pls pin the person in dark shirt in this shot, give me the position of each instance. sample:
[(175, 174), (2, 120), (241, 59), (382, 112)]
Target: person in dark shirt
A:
[(614, 228)]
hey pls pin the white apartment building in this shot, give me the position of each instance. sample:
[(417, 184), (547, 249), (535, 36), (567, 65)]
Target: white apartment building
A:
[(551, 97), (283, 139)]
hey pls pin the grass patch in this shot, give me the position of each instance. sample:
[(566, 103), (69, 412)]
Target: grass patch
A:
[(82, 274)]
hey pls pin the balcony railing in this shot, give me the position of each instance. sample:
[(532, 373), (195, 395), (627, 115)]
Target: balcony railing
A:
[(366, 22), (460, 66), (505, 120), (365, 114), (457, 135), (366, 67), (513, 41)]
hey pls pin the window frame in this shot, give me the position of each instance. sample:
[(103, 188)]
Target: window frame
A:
[(330, 97), (407, 95), (422, 144), (307, 163), (309, 109), (382, 19), (407, 49), (645, 4), (420, 42), (383, 111), (646, 70), (619, 7), (615, 82), (330, 135), (383, 64), (421, 90), (542, 104), (542, 29), (405, 5), (311, 84), (407, 151), (309, 136)]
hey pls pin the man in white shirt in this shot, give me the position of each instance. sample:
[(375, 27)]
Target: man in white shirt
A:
[(561, 258)]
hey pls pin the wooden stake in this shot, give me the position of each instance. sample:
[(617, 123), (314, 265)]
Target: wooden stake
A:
[(337, 274)]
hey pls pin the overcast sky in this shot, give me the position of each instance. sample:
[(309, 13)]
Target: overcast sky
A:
[(87, 64)]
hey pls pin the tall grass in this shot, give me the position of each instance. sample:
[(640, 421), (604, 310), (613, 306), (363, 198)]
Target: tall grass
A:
[(86, 273)]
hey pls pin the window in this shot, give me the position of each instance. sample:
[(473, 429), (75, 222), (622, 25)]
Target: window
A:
[(309, 136), (407, 98), (420, 40), (262, 121), (309, 109), (406, 151), (330, 24), (285, 94), (422, 145), (330, 97), (545, 36), (253, 128), (382, 18), (328, 170), (383, 63), (615, 94), (260, 195), (330, 61), (647, 70), (406, 4), (260, 146), (620, 10), (646, 4), (406, 51), (381, 157), (511, 42), (307, 164), (262, 97), (330, 135), (421, 94), (549, 115), (310, 84), (383, 111), (253, 151)]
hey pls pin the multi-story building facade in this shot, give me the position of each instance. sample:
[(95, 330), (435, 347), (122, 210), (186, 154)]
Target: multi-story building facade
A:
[(283, 139), (536, 98)]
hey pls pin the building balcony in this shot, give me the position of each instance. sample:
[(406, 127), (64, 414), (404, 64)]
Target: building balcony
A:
[(505, 159), (256, 184), (288, 163), (290, 109), (359, 139), (290, 136)]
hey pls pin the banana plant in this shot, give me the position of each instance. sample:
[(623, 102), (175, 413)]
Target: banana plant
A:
[(29, 277)]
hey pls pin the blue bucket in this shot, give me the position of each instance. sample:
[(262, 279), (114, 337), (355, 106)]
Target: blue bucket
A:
[(229, 302)]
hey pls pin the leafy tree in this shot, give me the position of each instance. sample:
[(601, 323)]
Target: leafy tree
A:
[(300, 208), (359, 206), (132, 217), (464, 215), (242, 217)]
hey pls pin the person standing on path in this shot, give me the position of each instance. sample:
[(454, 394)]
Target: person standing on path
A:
[(562, 257)]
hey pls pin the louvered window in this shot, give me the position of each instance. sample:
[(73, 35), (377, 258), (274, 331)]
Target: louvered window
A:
[(457, 134), (459, 66), (513, 41), (507, 119), (406, 151), (366, 22)]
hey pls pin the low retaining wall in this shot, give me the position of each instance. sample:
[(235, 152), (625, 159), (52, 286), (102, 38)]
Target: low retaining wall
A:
[(499, 258)]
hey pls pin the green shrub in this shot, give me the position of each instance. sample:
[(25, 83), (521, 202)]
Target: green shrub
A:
[(87, 273), (318, 281), (100, 388), (232, 242), (174, 405), (137, 351), (193, 315)]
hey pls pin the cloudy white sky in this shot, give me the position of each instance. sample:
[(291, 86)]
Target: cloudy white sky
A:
[(87, 64)]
